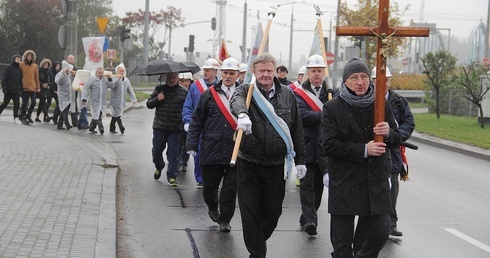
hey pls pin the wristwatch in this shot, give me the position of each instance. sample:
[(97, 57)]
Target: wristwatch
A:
[(242, 115)]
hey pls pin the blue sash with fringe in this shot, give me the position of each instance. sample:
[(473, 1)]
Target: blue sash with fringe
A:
[(281, 127)]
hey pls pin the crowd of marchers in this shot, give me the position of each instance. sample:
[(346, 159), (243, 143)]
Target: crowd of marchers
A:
[(27, 84), (273, 122)]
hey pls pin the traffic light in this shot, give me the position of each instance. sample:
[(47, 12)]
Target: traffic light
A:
[(213, 23), (191, 43), (124, 33)]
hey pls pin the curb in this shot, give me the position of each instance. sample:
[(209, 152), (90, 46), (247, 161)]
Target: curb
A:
[(452, 146)]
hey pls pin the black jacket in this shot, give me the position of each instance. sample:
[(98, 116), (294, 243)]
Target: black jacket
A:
[(44, 77), (358, 185), (168, 112), (12, 77), (52, 72), (311, 122), (265, 146), (211, 130), (406, 124)]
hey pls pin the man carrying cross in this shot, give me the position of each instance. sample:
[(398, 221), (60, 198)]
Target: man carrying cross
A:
[(358, 167)]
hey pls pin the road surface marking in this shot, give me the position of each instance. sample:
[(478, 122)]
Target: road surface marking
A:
[(468, 239)]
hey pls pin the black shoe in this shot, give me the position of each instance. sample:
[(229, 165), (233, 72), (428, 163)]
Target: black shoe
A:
[(60, 128), (395, 232), (214, 215), (113, 132), (55, 121), (157, 174), (224, 227), (92, 130), (29, 119), (310, 228), (24, 121), (69, 127), (184, 168), (37, 119), (122, 130), (47, 119), (101, 132)]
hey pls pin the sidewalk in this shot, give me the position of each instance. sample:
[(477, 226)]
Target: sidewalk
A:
[(57, 193)]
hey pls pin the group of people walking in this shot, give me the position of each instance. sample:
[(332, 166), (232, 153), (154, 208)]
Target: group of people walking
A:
[(331, 142), (24, 80)]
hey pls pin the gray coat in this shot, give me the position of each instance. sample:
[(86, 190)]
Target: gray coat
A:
[(66, 95), (118, 96), (95, 91)]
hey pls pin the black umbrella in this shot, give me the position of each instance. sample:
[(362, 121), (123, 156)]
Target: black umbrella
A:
[(160, 66), (193, 66)]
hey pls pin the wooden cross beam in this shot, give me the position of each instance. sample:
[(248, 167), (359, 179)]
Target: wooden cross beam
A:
[(383, 32)]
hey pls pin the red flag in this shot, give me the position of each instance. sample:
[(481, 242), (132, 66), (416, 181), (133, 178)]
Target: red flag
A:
[(223, 52)]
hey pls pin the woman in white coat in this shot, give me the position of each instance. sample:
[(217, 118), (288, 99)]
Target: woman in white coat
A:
[(118, 98), (65, 93)]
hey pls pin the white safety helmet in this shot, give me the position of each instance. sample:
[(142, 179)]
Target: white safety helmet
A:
[(186, 76), (230, 64), (315, 61), (302, 70), (373, 73), (243, 67), (211, 63)]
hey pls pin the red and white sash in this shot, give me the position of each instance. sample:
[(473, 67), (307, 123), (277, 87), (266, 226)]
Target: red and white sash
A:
[(294, 85), (224, 105), (310, 99), (201, 85)]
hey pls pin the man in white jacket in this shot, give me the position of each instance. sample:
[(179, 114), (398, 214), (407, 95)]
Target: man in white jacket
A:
[(118, 98)]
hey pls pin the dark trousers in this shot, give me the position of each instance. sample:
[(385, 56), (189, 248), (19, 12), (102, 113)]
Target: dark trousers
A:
[(15, 97), (42, 107), (395, 188), (26, 96), (311, 190), (211, 178), (56, 111), (368, 239), (74, 115), (112, 126), (160, 141), (95, 122), (261, 191), (64, 118), (184, 157)]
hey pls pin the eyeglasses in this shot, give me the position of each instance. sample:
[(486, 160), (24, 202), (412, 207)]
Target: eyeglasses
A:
[(355, 78)]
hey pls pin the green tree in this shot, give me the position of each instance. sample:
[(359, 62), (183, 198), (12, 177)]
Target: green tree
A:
[(29, 24), (365, 13), (167, 20), (439, 68), (475, 82)]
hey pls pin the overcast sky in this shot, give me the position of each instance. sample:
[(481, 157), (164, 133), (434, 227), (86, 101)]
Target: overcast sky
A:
[(461, 17)]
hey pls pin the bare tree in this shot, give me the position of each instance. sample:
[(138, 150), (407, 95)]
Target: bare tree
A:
[(439, 68), (475, 81)]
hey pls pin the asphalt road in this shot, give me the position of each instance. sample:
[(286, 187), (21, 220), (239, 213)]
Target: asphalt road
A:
[(444, 209)]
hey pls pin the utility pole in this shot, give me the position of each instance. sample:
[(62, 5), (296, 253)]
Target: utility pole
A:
[(145, 34), (487, 38), (244, 33), (337, 59), (291, 39), (71, 28)]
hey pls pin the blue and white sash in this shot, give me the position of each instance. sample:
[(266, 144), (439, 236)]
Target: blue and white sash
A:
[(281, 127)]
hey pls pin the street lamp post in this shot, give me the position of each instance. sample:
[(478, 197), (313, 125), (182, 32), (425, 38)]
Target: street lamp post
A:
[(291, 38)]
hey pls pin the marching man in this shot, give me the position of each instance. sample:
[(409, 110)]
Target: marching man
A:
[(213, 122)]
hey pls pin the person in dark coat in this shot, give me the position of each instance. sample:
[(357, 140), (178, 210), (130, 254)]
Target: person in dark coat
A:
[(212, 122), (45, 80), (310, 97), (167, 100), (406, 125), (282, 75), (53, 93), (273, 137), (359, 168), (12, 86)]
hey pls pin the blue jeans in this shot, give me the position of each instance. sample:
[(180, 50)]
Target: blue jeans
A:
[(160, 141)]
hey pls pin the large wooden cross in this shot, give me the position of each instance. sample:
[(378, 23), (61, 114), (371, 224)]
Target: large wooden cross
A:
[(383, 32)]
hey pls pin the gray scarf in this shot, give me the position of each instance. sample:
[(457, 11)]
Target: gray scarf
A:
[(357, 101)]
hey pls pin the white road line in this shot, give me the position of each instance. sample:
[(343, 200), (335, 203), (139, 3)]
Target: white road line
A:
[(468, 239)]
